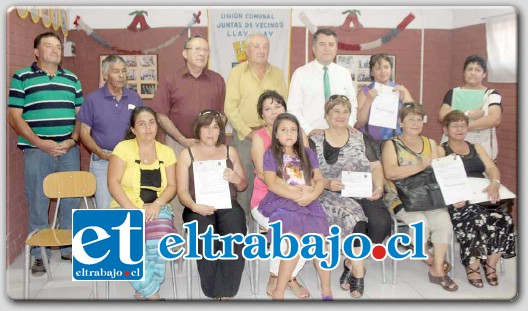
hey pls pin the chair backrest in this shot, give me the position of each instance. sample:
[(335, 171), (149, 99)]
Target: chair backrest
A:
[(73, 184)]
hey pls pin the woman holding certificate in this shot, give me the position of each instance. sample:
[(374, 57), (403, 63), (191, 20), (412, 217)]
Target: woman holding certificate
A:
[(405, 156), (484, 235), (220, 279), (142, 174), (479, 103), (380, 72), (340, 151)]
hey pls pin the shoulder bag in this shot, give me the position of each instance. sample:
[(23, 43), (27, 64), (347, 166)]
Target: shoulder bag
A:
[(419, 192)]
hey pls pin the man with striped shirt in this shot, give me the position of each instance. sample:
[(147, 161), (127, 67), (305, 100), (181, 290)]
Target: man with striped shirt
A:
[(44, 99)]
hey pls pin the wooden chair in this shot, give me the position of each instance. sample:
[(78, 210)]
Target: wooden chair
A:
[(74, 184)]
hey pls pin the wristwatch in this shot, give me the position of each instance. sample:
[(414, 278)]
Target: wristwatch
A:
[(496, 180), (466, 113)]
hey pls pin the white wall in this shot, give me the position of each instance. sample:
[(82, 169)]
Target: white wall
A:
[(438, 17)]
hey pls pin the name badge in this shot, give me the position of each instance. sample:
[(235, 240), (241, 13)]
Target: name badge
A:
[(130, 106)]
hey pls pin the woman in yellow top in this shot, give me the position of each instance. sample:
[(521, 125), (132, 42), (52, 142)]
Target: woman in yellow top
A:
[(407, 155), (142, 174)]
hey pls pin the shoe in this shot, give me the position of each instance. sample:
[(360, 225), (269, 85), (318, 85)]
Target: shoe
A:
[(344, 280), (447, 266), (38, 268), (300, 291), (475, 282), (493, 281), (272, 283), (67, 256), (444, 281), (357, 285)]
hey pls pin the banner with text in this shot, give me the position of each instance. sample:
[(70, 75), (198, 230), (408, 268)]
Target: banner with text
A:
[(228, 30)]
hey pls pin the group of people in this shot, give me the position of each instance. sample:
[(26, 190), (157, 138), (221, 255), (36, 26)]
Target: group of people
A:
[(289, 149)]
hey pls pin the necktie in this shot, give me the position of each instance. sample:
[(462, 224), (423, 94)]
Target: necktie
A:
[(326, 80)]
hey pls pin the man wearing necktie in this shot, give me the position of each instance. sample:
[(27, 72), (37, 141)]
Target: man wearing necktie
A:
[(312, 84)]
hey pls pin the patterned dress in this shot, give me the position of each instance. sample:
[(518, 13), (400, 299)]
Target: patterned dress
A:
[(480, 232), (343, 211)]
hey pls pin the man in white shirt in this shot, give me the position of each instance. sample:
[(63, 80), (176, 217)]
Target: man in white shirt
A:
[(306, 97)]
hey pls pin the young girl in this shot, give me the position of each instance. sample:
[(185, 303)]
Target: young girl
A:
[(294, 181)]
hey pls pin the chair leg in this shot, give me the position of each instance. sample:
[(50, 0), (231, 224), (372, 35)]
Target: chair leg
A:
[(383, 274), (452, 256), (27, 260), (94, 288), (502, 267), (394, 261), (254, 271), (188, 264), (45, 261), (107, 290), (173, 275)]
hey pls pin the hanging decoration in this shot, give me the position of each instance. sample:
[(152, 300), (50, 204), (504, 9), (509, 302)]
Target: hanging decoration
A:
[(139, 20), (53, 17), (79, 24), (352, 17)]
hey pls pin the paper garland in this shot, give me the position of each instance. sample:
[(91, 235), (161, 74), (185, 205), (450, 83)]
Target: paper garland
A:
[(79, 24), (363, 46)]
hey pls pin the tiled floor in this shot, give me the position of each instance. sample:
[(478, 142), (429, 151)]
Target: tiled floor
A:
[(412, 284)]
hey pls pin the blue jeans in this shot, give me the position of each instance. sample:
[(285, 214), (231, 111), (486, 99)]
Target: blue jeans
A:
[(99, 168), (37, 165)]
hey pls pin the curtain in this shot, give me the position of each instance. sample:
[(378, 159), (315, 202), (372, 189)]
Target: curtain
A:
[(501, 38)]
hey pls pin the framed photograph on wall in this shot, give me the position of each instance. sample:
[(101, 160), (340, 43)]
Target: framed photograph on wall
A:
[(358, 65), (142, 73)]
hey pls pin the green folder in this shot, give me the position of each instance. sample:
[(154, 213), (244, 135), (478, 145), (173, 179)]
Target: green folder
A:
[(467, 99)]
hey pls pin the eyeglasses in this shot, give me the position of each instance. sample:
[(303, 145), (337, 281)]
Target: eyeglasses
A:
[(335, 96), (206, 112), (197, 49), (458, 126)]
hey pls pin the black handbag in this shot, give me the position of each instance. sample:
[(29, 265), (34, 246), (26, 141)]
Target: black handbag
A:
[(419, 192)]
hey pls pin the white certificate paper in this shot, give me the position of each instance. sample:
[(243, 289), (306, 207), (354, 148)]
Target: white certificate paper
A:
[(384, 109), (478, 184), (357, 184), (210, 188), (452, 179)]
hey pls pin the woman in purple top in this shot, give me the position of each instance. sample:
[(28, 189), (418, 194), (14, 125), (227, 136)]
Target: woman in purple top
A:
[(294, 181), (380, 72)]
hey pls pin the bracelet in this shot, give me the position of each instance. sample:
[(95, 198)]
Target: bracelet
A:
[(157, 203), (378, 188), (496, 180)]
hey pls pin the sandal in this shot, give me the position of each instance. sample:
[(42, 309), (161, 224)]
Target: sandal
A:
[(475, 282), (300, 291), (272, 283), (447, 265), (444, 281), (344, 280), (138, 296), (493, 281), (357, 285)]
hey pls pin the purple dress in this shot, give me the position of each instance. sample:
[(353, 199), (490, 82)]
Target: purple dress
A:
[(295, 219)]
